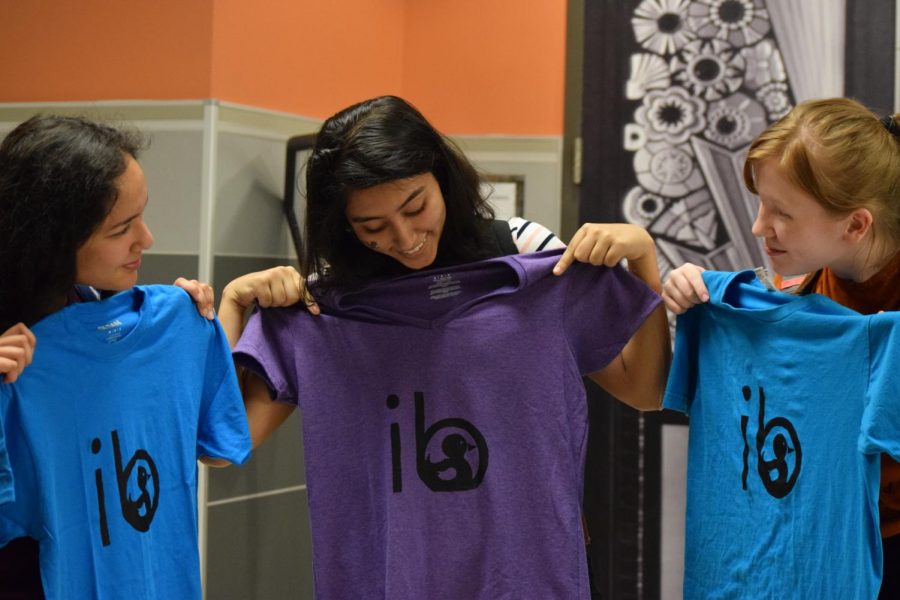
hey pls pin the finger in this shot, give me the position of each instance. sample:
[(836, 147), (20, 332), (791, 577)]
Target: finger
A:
[(10, 370), (601, 253), (264, 296), (32, 340), (12, 362), (279, 293), (294, 287), (21, 329), (201, 293), (28, 343), (694, 279), (209, 301), (568, 256), (616, 252), (677, 300), (680, 291), (672, 305), (310, 302)]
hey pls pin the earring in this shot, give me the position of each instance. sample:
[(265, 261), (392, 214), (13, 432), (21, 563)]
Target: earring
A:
[(372, 245)]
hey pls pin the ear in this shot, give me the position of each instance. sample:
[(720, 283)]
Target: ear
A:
[(859, 222)]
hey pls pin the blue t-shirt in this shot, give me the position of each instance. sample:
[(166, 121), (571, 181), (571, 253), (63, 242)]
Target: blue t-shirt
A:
[(791, 399), (80, 293), (7, 489), (445, 423), (104, 430)]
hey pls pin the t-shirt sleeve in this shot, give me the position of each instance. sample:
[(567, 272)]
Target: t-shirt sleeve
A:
[(880, 431), (265, 350), (223, 430), (681, 385), (602, 309), (21, 515)]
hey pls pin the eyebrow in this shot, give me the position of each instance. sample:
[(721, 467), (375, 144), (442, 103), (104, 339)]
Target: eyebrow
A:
[(412, 196), (132, 217)]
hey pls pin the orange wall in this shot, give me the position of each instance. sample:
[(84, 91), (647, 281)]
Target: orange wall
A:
[(487, 66), (309, 57), (472, 66), (68, 50)]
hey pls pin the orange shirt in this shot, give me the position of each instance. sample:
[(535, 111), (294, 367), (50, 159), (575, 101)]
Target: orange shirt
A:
[(880, 292)]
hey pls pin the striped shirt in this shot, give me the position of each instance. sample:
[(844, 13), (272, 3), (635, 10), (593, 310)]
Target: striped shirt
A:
[(532, 237)]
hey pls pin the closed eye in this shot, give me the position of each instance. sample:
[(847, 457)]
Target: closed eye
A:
[(417, 211)]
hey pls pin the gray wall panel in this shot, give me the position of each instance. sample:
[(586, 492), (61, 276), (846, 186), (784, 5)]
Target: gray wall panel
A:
[(250, 181), (226, 268), (254, 552), (165, 268), (172, 166), (275, 465), (542, 189)]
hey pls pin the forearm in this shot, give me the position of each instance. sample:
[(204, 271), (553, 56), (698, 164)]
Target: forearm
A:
[(645, 268), (638, 375), (644, 363), (264, 415)]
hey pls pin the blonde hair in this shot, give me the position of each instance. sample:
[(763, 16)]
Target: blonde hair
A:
[(840, 153)]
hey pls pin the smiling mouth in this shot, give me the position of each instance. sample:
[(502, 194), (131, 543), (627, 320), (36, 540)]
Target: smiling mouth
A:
[(415, 248), (770, 250)]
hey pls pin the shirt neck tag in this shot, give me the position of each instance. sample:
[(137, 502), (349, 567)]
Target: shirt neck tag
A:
[(763, 275)]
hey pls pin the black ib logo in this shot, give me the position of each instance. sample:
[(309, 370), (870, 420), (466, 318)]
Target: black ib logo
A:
[(778, 451), (451, 454), (138, 485)]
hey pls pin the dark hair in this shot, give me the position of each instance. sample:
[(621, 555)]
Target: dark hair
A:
[(373, 142), (57, 184)]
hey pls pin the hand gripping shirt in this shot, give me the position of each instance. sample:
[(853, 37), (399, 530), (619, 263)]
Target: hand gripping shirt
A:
[(104, 430), (444, 424), (791, 399)]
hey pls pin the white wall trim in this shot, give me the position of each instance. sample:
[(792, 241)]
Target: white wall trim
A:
[(168, 125), (204, 273), (518, 156), (244, 498), (104, 103), (267, 111), (254, 132)]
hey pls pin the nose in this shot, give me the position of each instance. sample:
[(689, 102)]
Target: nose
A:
[(405, 237), (145, 237), (760, 224)]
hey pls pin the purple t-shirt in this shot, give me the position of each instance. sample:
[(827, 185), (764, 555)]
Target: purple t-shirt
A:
[(445, 424)]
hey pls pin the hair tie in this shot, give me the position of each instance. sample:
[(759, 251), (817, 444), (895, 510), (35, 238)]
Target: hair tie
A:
[(891, 124)]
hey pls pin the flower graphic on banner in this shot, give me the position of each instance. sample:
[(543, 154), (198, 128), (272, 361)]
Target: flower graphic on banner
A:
[(648, 72), (774, 96), (739, 22), (642, 207), (660, 25), (672, 114), (710, 69), (735, 121), (667, 169), (710, 77), (763, 65)]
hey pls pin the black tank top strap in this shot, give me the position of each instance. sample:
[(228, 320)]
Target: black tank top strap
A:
[(503, 236)]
